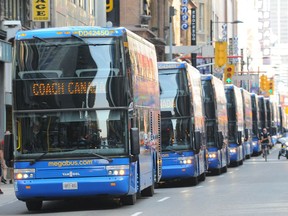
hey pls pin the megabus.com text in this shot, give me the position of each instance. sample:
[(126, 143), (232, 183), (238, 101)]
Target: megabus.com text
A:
[(70, 163)]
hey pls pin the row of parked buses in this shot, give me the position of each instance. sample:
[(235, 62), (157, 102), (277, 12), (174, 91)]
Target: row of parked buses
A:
[(207, 126), (92, 112)]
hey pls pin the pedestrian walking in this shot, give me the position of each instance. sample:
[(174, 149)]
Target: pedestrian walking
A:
[(2, 162)]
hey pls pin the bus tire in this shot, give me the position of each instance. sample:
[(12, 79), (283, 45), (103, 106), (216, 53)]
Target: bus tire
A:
[(129, 199), (224, 169), (217, 171), (149, 191), (193, 181), (202, 177), (34, 205)]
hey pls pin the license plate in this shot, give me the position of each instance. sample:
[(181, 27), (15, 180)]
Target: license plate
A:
[(70, 185)]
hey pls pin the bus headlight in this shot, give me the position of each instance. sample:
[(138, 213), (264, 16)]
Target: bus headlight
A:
[(185, 160), (24, 174), (233, 150), (118, 170), (254, 143), (212, 155)]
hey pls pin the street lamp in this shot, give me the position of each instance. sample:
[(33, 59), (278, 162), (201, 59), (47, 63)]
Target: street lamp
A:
[(211, 26)]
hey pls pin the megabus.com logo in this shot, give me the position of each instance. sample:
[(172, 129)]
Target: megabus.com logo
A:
[(70, 163)]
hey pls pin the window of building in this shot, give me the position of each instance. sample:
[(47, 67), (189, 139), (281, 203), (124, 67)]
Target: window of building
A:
[(201, 17), (91, 5), (82, 4)]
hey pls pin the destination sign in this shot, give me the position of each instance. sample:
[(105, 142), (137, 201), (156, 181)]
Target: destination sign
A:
[(167, 103), (61, 88)]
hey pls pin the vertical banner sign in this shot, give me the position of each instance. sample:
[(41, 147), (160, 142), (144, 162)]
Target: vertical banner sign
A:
[(193, 26), (40, 10), (235, 49), (230, 50), (193, 36), (184, 15)]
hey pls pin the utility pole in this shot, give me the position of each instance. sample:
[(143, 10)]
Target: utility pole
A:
[(100, 12), (171, 14)]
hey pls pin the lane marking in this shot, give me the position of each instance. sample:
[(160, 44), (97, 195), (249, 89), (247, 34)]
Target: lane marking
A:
[(212, 180), (184, 191), (163, 199), (137, 213)]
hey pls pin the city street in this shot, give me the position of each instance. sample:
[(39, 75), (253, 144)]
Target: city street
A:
[(255, 188)]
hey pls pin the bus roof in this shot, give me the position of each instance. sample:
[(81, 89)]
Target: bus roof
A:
[(229, 86), (171, 65), (81, 31), (207, 77)]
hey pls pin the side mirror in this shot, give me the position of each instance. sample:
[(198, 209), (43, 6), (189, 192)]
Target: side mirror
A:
[(197, 140), (246, 134), (134, 140), (220, 139), (8, 147), (239, 137)]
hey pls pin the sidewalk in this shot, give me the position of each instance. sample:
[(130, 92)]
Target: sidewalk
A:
[(9, 195)]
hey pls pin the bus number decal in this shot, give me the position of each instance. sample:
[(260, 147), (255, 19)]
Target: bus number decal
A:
[(94, 33)]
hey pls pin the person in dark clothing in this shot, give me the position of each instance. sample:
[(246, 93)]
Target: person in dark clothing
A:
[(265, 139)]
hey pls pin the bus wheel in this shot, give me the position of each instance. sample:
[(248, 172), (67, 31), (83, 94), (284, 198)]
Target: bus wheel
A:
[(191, 181), (202, 177), (149, 191), (34, 205), (224, 169), (217, 171), (129, 199)]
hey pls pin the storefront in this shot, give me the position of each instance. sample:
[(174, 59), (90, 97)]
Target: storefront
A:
[(5, 101)]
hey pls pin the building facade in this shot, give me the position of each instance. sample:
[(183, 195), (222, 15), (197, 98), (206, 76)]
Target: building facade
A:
[(162, 22)]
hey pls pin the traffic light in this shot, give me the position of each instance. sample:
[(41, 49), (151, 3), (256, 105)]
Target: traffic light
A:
[(228, 73), (271, 87), (263, 83), (220, 53)]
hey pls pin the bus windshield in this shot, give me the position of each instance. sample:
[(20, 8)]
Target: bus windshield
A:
[(99, 131), (175, 110), (174, 92), (175, 134), (69, 57), (68, 73)]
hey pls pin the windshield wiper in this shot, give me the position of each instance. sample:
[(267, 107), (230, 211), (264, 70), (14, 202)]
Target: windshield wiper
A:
[(45, 41), (101, 156), (173, 150), (77, 37), (38, 158)]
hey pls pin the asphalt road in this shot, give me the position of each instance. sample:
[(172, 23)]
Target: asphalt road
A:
[(255, 188)]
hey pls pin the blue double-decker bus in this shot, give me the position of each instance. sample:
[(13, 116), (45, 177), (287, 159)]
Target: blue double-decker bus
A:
[(216, 123), (86, 115), (235, 124), (182, 123), (255, 125), (248, 123)]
